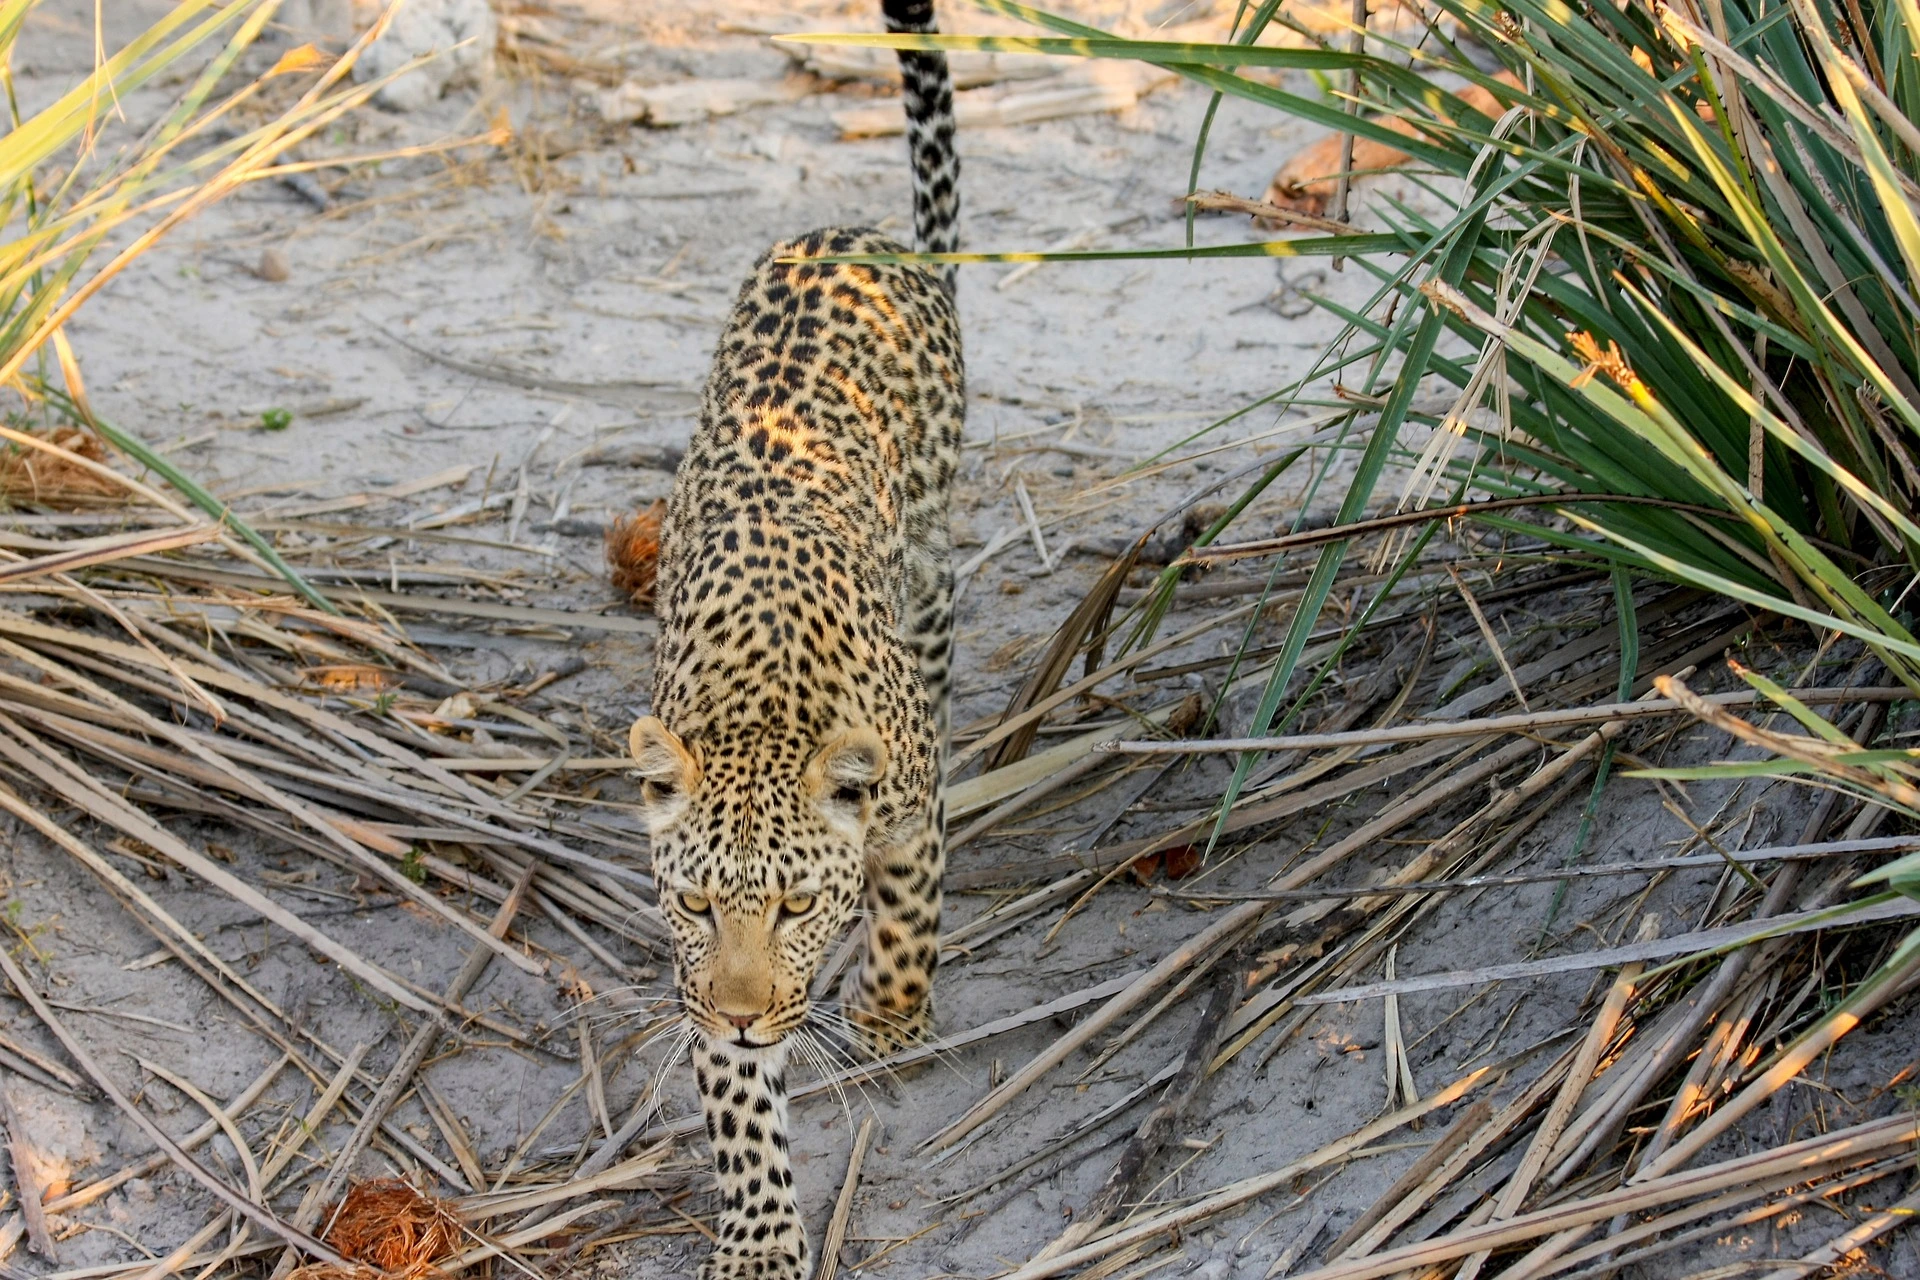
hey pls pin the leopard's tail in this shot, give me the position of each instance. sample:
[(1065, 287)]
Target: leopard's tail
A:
[(928, 94)]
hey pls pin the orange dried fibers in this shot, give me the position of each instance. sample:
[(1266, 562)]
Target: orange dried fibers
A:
[(44, 479), (344, 677), (390, 1224), (1610, 362), (633, 551)]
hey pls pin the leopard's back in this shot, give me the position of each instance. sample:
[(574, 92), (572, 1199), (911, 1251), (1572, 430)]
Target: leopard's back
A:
[(835, 408)]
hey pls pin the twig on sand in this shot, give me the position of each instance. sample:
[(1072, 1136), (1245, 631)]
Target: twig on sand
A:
[(1493, 641), (1464, 1126), (1260, 1184), (1033, 524), (618, 392), (257, 1214), (1154, 1131), (37, 1067), (26, 1179), (401, 1073), (843, 1207)]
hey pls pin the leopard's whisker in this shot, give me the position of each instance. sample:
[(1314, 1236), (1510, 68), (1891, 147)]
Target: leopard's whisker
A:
[(684, 1033), (808, 1047), (946, 1057)]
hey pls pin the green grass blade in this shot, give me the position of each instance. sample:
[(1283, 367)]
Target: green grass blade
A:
[(1304, 247)]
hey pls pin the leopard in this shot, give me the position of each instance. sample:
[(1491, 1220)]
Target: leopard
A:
[(793, 758)]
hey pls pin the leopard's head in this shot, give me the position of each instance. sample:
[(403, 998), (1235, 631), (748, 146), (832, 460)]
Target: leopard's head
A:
[(758, 856)]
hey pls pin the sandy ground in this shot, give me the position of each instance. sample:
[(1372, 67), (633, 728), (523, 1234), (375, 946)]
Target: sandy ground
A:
[(516, 314)]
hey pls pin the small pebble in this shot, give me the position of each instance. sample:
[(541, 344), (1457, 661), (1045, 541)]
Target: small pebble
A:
[(273, 266)]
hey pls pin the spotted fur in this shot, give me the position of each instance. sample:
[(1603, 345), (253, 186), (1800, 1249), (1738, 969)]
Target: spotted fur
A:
[(792, 765)]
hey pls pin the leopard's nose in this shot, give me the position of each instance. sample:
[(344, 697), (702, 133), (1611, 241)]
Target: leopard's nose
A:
[(742, 1020)]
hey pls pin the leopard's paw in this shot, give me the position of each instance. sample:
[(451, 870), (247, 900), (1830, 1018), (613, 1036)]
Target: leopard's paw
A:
[(879, 1032)]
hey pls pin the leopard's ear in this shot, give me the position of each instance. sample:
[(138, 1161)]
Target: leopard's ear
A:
[(841, 776), (668, 771)]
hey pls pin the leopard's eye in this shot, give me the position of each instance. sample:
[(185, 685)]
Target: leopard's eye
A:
[(696, 904), (796, 905)]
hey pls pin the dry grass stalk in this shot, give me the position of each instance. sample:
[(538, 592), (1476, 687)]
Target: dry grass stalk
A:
[(502, 1246), (1269, 214), (1469, 1149), (400, 1075), (1846, 1246), (1085, 90), (1599, 1037), (488, 816), (1702, 1220), (1039, 710), (1082, 629), (1807, 750), (28, 478), (24, 749), (1233, 925), (1251, 1188), (79, 1197), (1675, 1031), (1596, 870), (316, 1115), (1444, 786), (254, 1006), (1470, 1121), (226, 772), (96, 551), (1703, 942), (1315, 175), (843, 1206), (1809, 1048), (177, 1261), (588, 1180), (26, 1179), (1158, 1127), (249, 1163), (38, 1067), (1282, 1264)]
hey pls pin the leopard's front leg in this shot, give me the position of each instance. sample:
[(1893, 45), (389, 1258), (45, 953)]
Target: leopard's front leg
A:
[(744, 1095), (890, 1002)]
